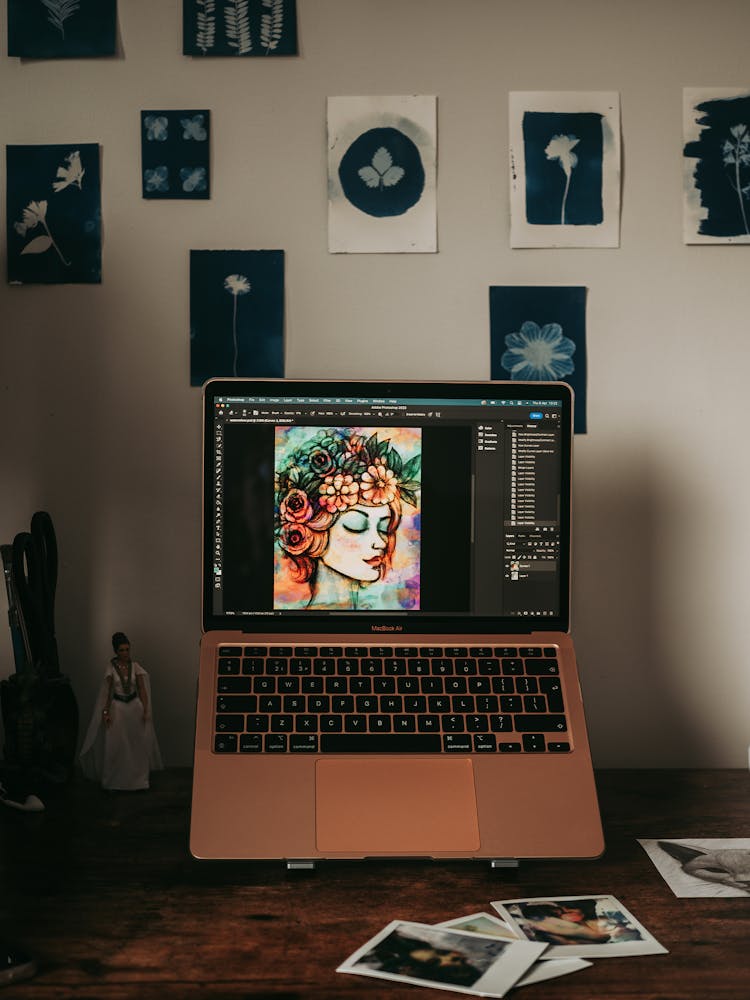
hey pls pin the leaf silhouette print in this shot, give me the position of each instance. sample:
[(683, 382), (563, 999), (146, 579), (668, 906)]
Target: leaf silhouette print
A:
[(157, 128), (271, 24), (205, 16), (72, 174), (193, 128), (58, 12), (156, 179), (237, 25), (193, 178), (560, 148), (381, 173), (736, 154), (35, 214)]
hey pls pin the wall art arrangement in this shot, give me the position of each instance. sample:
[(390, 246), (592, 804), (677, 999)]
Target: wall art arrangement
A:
[(564, 169), (61, 29), (382, 169), (175, 154), (239, 27), (236, 314), (54, 214), (538, 333), (716, 203)]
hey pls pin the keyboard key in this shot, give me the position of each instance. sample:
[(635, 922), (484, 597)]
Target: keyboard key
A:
[(453, 743), (485, 743), (331, 651), (367, 703), (509, 747), (550, 651), (379, 723), (394, 666), (501, 723), (465, 666), (305, 650), (253, 665), (280, 651), (287, 685), (318, 703), (346, 665), (306, 723), (324, 665), (276, 743), (533, 743), (534, 703), (229, 665), (256, 651), (230, 723), (431, 651), (503, 685), (251, 743), (391, 703), (257, 723), (371, 665), (331, 724), (233, 685), (303, 744), (312, 685), (428, 723), (360, 685), (489, 665), (530, 651), (555, 747), (407, 651), (355, 724), (540, 723), (453, 723), (512, 666), (480, 651), (237, 703), (527, 685), (456, 651), (230, 650), (282, 723), (381, 651), (356, 651), (477, 723), (503, 651), (540, 667), (479, 685), (300, 665), (380, 743), (487, 703), (269, 703), (510, 703), (404, 724), (442, 667), (264, 685), (226, 743)]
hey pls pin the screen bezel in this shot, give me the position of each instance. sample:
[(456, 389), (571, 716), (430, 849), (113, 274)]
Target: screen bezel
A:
[(382, 624)]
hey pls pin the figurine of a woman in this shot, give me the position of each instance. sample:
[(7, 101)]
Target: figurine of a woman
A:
[(120, 748)]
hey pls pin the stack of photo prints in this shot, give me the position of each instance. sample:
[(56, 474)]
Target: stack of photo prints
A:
[(485, 955)]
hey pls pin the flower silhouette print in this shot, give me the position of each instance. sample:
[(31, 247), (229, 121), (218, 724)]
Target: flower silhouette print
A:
[(736, 154), (157, 128), (381, 173), (193, 178), (72, 174), (156, 179), (35, 214), (194, 128), (539, 355), (560, 148), (236, 285)]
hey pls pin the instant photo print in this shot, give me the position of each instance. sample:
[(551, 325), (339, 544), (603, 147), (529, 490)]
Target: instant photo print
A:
[(386, 666)]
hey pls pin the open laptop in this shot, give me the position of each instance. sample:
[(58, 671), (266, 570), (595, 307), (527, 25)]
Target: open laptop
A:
[(386, 669)]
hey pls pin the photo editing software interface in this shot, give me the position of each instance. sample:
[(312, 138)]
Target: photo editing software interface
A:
[(384, 506)]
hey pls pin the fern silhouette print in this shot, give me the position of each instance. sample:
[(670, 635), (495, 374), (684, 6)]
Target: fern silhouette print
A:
[(239, 27)]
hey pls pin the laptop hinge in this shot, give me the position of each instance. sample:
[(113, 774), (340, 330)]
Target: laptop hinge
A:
[(300, 865), (504, 863)]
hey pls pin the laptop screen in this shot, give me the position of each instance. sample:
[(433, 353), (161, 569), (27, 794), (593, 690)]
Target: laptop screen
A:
[(428, 507)]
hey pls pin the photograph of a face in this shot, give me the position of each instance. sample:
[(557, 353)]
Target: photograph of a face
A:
[(382, 174), (716, 159), (347, 518), (583, 926), (702, 867), (54, 214), (443, 959), (565, 169)]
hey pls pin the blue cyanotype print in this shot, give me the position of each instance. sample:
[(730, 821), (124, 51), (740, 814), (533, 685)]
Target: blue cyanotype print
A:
[(539, 334), (563, 155), (236, 314), (60, 29), (54, 214), (722, 171), (239, 27), (381, 173), (175, 154)]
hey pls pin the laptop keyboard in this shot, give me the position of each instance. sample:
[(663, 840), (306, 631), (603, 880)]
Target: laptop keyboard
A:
[(403, 699)]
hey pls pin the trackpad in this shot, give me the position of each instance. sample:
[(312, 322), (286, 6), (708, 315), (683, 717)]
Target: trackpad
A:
[(395, 805)]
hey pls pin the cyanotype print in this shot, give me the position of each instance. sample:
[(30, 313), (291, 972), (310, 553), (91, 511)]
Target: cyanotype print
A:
[(717, 166), (565, 169), (239, 27), (538, 333), (382, 175), (175, 154), (60, 29), (236, 314), (54, 214)]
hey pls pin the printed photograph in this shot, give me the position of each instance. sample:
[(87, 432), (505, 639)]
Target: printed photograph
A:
[(716, 200), (54, 214), (382, 170), (236, 314), (583, 926), (347, 518), (61, 29), (699, 867), (565, 169), (538, 333), (239, 28), (175, 154), (444, 959)]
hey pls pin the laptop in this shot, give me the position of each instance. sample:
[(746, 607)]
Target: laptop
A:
[(386, 667)]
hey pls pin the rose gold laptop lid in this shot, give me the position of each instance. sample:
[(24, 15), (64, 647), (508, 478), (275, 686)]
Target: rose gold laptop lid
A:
[(414, 521)]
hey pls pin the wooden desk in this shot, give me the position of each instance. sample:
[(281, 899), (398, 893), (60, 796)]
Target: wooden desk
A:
[(101, 888)]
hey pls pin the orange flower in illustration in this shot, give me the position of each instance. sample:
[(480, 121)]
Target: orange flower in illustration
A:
[(338, 492), (296, 506), (296, 538), (379, 483)]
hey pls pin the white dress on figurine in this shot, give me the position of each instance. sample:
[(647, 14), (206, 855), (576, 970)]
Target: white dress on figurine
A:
[(121, 755)]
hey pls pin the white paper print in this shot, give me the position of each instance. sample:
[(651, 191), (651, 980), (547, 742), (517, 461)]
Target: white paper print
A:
[(699, 867)]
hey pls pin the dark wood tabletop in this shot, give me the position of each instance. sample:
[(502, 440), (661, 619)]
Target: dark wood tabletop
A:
[(102, 890)]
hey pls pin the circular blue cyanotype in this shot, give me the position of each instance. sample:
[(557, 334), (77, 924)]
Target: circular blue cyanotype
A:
[(381, 173)]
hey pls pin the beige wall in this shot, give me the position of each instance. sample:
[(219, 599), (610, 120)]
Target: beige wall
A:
[(99, 426)]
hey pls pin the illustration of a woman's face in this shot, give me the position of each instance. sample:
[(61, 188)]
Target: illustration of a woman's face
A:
[(357, 542)]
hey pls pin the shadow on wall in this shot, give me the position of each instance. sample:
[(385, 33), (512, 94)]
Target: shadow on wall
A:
[(630, 662)]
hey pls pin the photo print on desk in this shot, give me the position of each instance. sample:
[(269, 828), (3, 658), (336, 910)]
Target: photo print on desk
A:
[(702, 867), (538, 333), (382, 171), (54, 214), (564, 169), (236, 314), (239, 27), (61, 29), (175, 154), (716, 202)]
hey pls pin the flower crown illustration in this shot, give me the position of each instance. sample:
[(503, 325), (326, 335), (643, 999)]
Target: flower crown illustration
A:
[(334, 471)]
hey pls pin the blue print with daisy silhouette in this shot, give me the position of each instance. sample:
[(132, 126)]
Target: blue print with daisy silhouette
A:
[(563, 158)]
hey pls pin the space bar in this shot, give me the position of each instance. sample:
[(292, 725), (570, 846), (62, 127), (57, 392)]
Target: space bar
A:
[(377, 743)]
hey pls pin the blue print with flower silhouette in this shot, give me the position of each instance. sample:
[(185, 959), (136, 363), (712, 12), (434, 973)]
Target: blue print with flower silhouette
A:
[(538, 334), (175, 154), (381, 173), (563, 156)]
